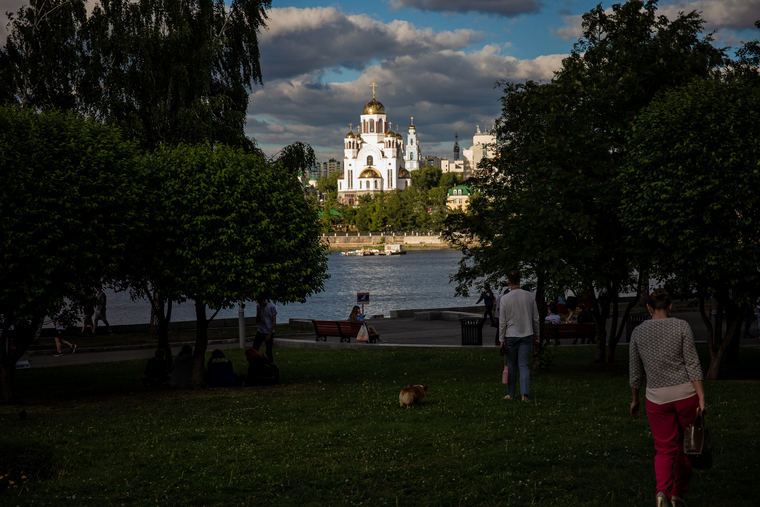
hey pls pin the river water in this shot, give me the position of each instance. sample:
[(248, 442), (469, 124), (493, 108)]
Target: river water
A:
[(419, 279)]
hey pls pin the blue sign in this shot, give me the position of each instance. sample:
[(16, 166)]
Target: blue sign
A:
[(362, 298)]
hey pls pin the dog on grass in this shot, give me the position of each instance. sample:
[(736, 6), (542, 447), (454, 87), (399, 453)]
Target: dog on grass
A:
[(411, 395)]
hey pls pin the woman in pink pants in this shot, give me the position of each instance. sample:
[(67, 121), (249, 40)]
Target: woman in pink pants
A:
[(662, 349)]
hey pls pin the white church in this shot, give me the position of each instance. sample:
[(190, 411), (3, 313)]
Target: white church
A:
[(375, 158)]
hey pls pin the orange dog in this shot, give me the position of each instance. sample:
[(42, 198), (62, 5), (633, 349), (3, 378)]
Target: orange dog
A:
[(411, 395)]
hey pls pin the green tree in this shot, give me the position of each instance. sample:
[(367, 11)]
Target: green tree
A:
[(41, 54), (449, 180), (547, 203), (71, 204), (235, 228), (165, 71), (688, 196), (328, 185), (426, 177)]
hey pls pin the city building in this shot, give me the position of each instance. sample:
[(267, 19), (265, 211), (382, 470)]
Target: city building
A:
[(374, 156), (482, 147), (459, 197)]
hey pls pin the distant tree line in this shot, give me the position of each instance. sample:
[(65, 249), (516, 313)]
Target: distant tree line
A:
[(639, 158), (419, 207)]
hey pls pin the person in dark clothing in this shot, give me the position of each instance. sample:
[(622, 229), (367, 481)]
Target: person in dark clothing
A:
[(261, 371), (585, 317), (220, 372), (157, 370), (488, 299)]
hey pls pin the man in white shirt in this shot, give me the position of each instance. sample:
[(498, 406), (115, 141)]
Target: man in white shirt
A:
[(518, 331)]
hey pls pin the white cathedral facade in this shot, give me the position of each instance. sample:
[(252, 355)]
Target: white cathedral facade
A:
[(375, 158)]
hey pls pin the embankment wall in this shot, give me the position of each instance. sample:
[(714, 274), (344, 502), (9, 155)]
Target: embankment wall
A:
[(355, 241)]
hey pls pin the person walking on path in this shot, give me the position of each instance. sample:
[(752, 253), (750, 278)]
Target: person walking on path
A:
[(488, 299), (266, 316), (662, 349), (100, 313), (60, 332), (518, 331)]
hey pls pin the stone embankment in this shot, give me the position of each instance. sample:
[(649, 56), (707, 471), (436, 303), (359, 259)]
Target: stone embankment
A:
[(352, 240)]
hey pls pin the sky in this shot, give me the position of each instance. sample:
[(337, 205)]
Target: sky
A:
[(435, 60)]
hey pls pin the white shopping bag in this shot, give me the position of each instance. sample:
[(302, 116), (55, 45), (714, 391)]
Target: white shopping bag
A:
[(363, 335)]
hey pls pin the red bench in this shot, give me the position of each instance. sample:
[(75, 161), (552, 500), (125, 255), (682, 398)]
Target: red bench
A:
[(575, 331), (342, 328)]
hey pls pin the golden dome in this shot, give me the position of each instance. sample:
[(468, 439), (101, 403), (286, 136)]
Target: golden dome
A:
[(351, 135), (398, 136), (370, 172), (403, 173), (390, 134), (373, 107)]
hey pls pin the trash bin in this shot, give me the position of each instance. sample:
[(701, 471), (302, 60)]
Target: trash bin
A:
[(472, 331), (634, 320)]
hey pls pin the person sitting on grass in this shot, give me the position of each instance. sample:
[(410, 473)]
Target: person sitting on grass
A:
[(220, 372), (357, 316), (157, 370), (182, 368)]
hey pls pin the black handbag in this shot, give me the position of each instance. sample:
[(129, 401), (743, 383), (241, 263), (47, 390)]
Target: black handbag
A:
[(696, 443)]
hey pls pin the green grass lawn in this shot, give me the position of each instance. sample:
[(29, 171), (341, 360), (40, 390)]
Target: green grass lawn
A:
[(116, 339), (333, 434)]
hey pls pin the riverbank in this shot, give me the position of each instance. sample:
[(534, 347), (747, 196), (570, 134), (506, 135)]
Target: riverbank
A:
[(354, 240)]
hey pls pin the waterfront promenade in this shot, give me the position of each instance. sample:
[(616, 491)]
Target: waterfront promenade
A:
[(396, 332)]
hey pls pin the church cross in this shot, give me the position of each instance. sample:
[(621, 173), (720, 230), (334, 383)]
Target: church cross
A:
[(412, 120), (373, 90), (351, 126)]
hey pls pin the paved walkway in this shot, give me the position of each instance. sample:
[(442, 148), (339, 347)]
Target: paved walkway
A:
[(400, 332)]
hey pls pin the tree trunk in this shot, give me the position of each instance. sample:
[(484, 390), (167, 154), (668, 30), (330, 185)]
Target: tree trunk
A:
[(155, 317), (717, 345), (615, 336), (201, 344), (601, 310), (7, 372)]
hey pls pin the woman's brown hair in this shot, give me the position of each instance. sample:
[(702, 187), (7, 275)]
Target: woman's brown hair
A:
[(659, 300)]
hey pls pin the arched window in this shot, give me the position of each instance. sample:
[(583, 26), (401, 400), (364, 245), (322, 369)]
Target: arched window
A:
[(375, 183), (380, 126), (370, 160), (368, 185), (371, 125), (411, 156)]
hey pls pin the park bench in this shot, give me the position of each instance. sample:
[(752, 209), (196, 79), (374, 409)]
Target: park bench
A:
[(573, 331), (342, 328)]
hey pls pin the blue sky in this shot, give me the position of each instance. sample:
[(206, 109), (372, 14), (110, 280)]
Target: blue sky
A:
[(434, 60)]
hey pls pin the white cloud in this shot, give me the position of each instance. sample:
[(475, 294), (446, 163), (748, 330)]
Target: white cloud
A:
[(507, 8), (721, 16), (738, 14), (302, 41)]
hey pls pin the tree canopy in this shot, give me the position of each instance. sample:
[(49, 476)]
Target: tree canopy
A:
[(549, 198), (71, 204), (165, 71), (688, 199), (232, 227)]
